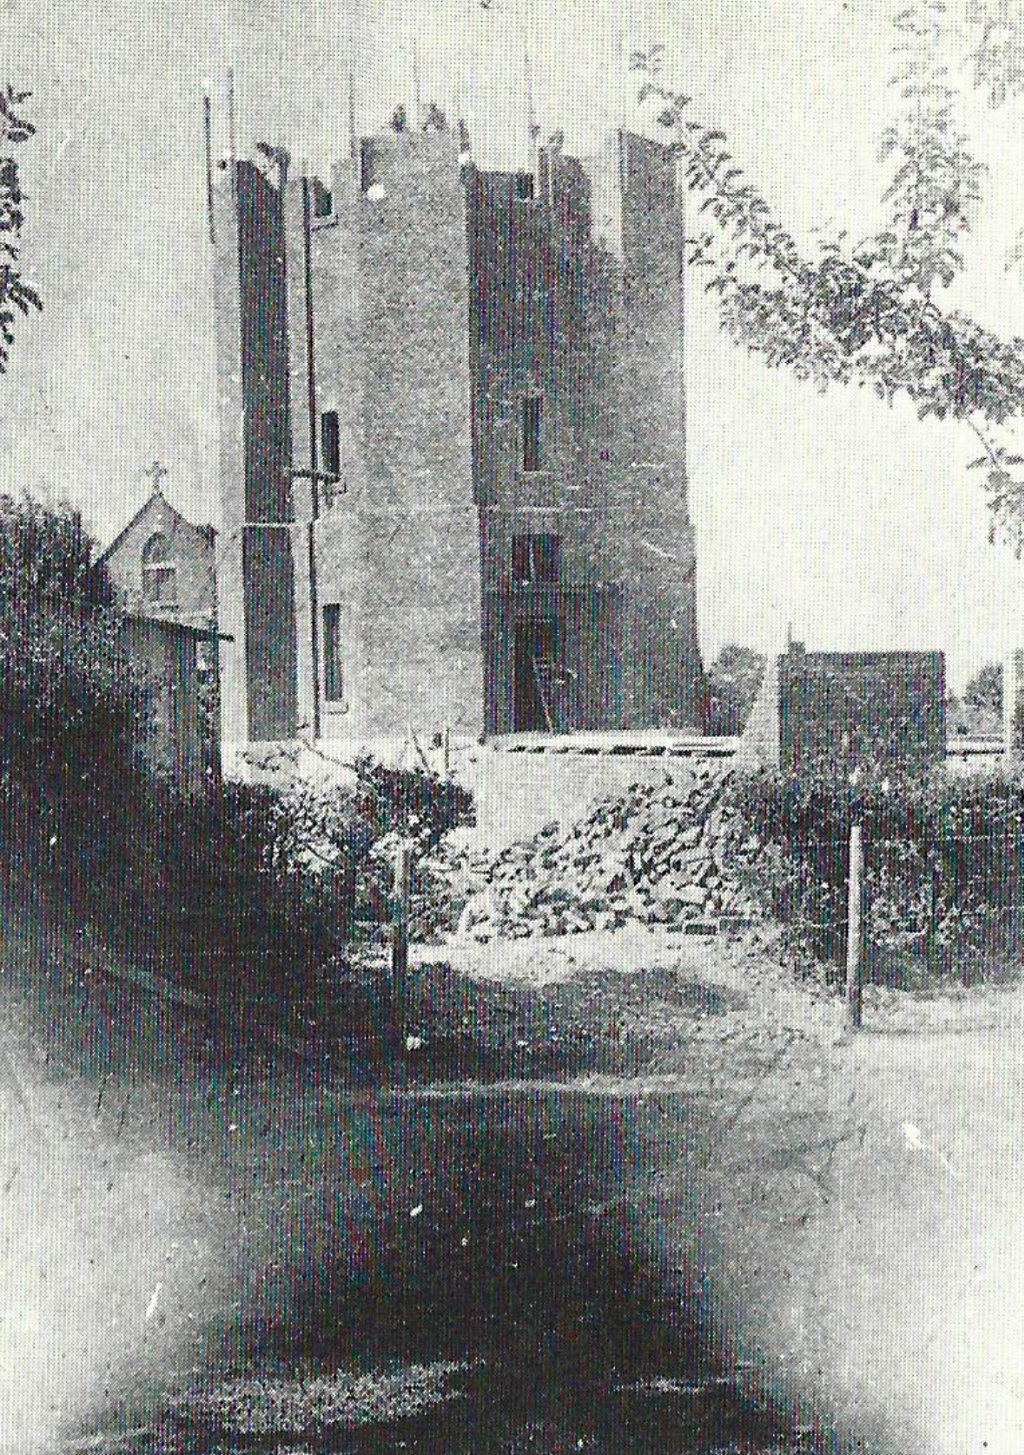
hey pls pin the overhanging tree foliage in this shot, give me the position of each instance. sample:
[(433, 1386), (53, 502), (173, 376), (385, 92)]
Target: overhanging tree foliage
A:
[(16, 295), (865, 312)]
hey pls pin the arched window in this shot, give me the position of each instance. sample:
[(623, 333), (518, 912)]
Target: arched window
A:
[(159, 572)]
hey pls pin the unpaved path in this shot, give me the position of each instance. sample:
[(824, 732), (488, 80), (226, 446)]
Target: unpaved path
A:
[(608, 1175)]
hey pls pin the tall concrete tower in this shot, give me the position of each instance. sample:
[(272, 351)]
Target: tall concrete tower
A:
[(453, 450)]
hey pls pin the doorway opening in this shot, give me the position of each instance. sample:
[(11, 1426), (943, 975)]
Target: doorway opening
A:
[(534, 679)]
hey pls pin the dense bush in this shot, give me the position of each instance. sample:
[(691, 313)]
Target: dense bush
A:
[(410, 801), (80, 805), (252, 891), (208, 890), (944, 866), (247, 890), (72, 705)]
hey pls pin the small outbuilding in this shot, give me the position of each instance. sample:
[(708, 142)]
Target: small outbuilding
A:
[(841, 711), (179, 663)]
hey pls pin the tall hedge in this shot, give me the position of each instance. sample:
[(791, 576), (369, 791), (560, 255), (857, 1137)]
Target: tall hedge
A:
[(944, 866)]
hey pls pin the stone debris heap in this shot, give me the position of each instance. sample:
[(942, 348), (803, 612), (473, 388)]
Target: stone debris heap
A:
[(673, 854)]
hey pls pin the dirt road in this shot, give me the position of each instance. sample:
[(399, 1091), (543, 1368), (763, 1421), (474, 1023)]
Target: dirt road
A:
[(650, 1196)]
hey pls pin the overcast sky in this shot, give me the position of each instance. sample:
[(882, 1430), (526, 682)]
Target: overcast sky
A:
[(851, 521)]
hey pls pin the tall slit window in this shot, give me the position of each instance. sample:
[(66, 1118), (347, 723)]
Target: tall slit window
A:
[(535, 560), (330, 444), (323, 200), (333, 685), (531, 412), (159, 572)]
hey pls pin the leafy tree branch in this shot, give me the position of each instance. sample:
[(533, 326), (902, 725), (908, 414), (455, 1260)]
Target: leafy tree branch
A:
[(864, 313), (16, 295), (998, 54), (936, 186)]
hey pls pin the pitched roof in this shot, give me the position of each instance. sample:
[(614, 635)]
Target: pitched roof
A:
[(168, 625), (207, 531)]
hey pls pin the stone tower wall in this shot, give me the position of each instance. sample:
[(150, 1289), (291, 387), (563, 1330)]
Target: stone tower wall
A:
[(586, 314), (432, 300)]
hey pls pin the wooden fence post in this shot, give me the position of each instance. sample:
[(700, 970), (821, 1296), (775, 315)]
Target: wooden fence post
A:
[(854, 927), (934, 873), (1012, 671), (400, 899)]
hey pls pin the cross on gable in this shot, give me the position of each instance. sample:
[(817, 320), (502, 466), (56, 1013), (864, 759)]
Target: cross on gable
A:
[(156, 472)]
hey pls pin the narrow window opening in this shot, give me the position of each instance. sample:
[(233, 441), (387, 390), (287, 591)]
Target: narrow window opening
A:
[(521, 560), (323, 199), (330, 444), (531, 432), (159, 572), (535, 560), (332, 654), (524, 186)]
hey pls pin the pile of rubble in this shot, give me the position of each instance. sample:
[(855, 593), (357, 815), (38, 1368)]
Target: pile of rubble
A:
[(673, 854)]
